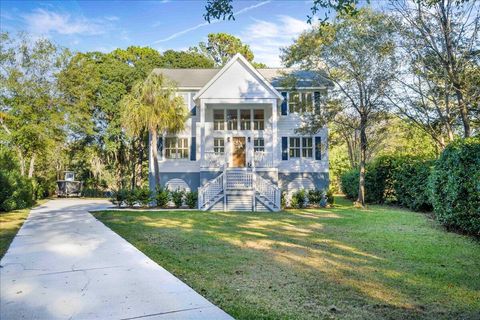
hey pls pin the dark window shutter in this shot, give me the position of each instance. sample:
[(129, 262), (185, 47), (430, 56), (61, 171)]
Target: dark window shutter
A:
[(316, 99), (193, 112), (284, 103), (318, 148), (284, 148), (193, 149), (160, 147)]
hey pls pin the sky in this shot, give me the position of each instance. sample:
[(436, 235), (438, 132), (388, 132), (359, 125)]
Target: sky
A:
[(164, 24)]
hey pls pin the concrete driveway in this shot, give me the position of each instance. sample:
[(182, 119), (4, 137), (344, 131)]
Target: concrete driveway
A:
[(64, 264)]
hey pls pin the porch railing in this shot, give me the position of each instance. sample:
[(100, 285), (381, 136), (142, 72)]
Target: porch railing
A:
[(262, 159), (239, 179), (214, 160)]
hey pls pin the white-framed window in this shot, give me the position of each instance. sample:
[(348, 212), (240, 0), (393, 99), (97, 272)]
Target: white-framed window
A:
[(300, 102), (294, 147), (258, 119), (245, 119), (293, 102), (307, 147), (258, 144), (218, 119), (176, 148), (232, 119), (219, 145)]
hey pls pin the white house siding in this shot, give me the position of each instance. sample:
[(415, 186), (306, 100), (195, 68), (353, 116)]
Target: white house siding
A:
[(238, 87)]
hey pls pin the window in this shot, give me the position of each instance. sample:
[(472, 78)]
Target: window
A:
[(258, 144), (307, 147), (245, 118), (300, 102), (218, 120), (219, 145), (232, 119), (295, 148), (176, 148), (307, 102), (293, 102), (258, 120)]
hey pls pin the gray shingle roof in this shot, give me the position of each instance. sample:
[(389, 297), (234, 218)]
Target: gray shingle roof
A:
[(278, 77)]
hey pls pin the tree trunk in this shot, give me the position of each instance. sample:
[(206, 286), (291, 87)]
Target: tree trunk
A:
[(32, 166), (363, 159), (153, 145), (463, 112), (134, 180)]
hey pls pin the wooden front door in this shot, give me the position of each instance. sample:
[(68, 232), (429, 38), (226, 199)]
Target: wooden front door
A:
[(238, 152)]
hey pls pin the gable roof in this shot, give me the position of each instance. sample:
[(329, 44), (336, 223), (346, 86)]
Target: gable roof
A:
[(198, 78), (248, 66)]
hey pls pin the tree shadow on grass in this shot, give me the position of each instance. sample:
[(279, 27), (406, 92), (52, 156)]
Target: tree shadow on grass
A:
[(300, 264)]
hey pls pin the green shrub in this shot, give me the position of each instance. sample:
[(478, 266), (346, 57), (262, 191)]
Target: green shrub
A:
[(177, 197), (410, 178), (283, 199), (455, 186), (378, 181), (118, 197), (143, 196), (16, 191), (330, 197), (93, 193), (162, 197), (130, 198), (299, 199), (314, 196), (349, 184), (191, 199)]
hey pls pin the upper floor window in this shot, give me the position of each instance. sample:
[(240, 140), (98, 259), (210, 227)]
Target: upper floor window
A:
[(218, 120), (307, 147), (245, 119), (258, 144), (176, 148), (258, 119), (300, 102), (219, 145), (295, 148), (232, 119)]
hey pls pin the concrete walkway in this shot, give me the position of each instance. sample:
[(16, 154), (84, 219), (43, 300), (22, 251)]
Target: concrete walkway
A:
[(64, 264)]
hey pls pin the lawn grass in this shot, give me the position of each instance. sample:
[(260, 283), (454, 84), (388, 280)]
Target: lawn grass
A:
[(10, 223), (338, 263)]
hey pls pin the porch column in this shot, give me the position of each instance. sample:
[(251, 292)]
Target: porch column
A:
[(202, 132), (274, 133)]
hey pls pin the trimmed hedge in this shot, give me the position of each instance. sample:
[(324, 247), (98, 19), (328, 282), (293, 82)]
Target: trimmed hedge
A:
[(393, 179), (410, 183), (378, 181), (455, 186)]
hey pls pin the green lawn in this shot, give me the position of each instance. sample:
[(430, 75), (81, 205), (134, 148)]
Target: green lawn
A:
[(10, 223), (339, 263)]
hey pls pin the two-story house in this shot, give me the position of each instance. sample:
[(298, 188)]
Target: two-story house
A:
[(240, 147)]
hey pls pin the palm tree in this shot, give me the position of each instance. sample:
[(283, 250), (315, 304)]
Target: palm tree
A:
[(153, 106)]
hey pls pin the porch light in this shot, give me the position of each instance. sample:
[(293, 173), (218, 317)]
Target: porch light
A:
[(228, 139), (248, 139)]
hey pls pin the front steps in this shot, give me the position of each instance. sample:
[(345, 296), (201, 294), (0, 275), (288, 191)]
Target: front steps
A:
[(239, 190)]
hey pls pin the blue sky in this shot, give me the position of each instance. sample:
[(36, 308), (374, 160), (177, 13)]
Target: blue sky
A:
[(105, 25)]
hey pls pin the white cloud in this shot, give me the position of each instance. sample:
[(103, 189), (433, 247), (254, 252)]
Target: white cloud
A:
[(42, 21), (203, 24), (267, 37)]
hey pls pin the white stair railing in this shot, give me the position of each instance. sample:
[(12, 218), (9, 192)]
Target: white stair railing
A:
[(239, 179), (267, 189), (208, 193)]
